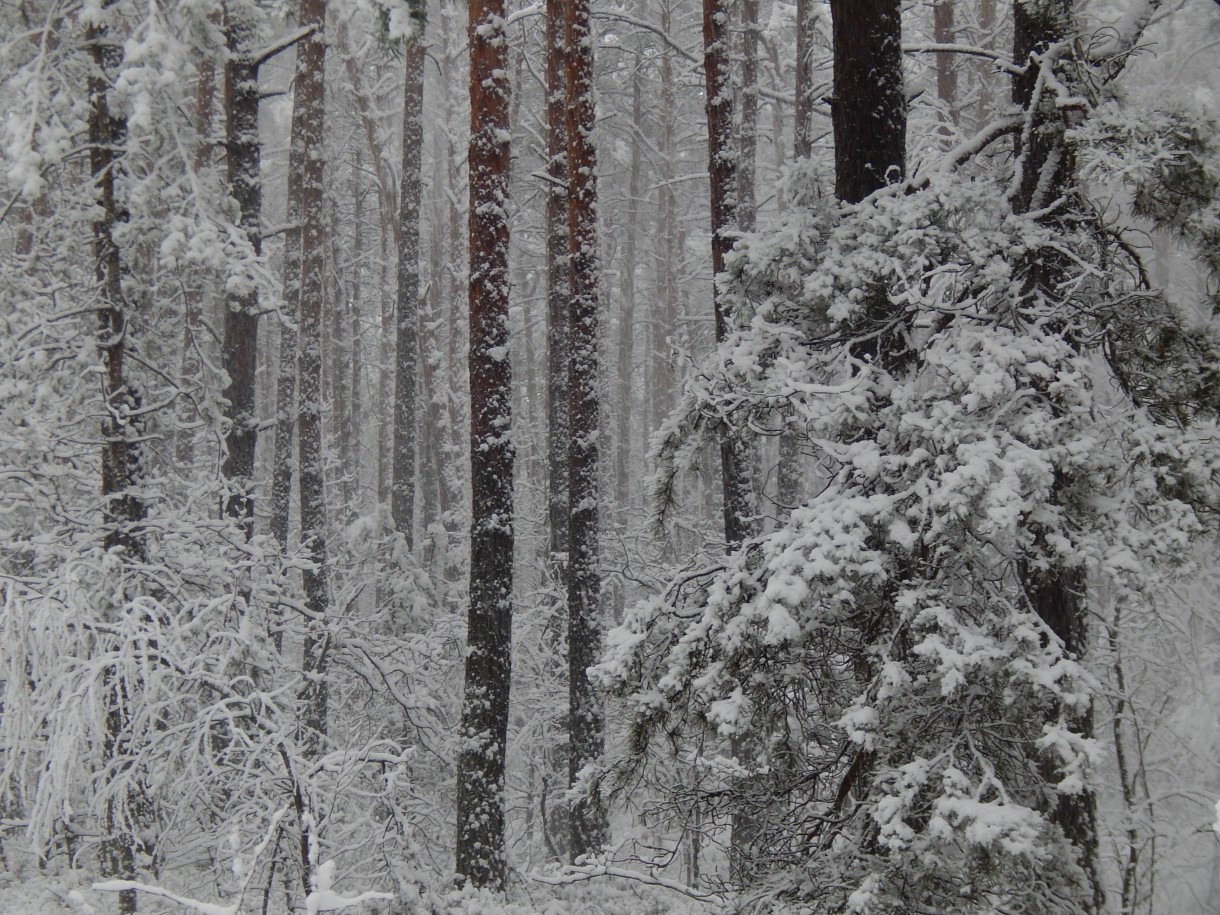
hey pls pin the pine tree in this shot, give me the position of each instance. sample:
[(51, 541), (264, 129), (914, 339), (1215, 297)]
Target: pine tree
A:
[(480, 778)]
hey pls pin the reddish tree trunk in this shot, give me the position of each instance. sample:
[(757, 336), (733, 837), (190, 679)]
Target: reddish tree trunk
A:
[(480, 787), (240, 349), (557, 289)]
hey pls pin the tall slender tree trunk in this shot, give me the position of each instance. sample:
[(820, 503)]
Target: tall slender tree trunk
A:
[(289, 324), (240, 347), (627, 417), (406, 359), (788, 465), (1046, 175), (310, 86), (983, 68), (355, 383), (722, 170), (123, 511), (723, 163), (585, 717), (480, 785), (944, 31), (746, 209), (663, 312), (193, 297), (557, 290)]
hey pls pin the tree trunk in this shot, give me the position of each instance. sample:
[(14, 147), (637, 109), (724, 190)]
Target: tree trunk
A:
[(193, 295), (480, 782), (722, 170), (663, 313), (1046, 173), (870, 120), (557, 288), (123, 510), (869, 108), (747, 136), (406, 360), (627, 416), (286, 381), (310, 87), (788, 469), (240, 348), (802, 130), (983, 68), (585, 717), (944, 31)]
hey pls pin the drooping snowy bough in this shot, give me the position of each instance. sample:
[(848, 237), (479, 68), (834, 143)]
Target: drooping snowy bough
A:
[(885, 644)]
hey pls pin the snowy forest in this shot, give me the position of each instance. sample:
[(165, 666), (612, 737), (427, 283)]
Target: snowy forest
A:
[(610, 456)]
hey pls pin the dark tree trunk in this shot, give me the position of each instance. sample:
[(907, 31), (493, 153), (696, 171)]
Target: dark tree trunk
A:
[(480, 782), (240, 348), (747, 136), (123, 510), (870, 121), (286, 381), (310, 86), (722, 171), (585, 717), (869, 108), (406, 396), (734, 452), (944, 31), (557, 288), (1046, 173)]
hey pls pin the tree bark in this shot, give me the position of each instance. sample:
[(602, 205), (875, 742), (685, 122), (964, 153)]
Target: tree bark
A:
[(123, 511), (193, 295), (289, 324), (663, 313), (869, 108), (310, 85), (870, 119), (802, 130), (585, 716), (406, 359), (480, 784), (240, 348), (788, 464), (944, 31), (557, 290), (722, 171), (1046, 173), (747, 135)]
